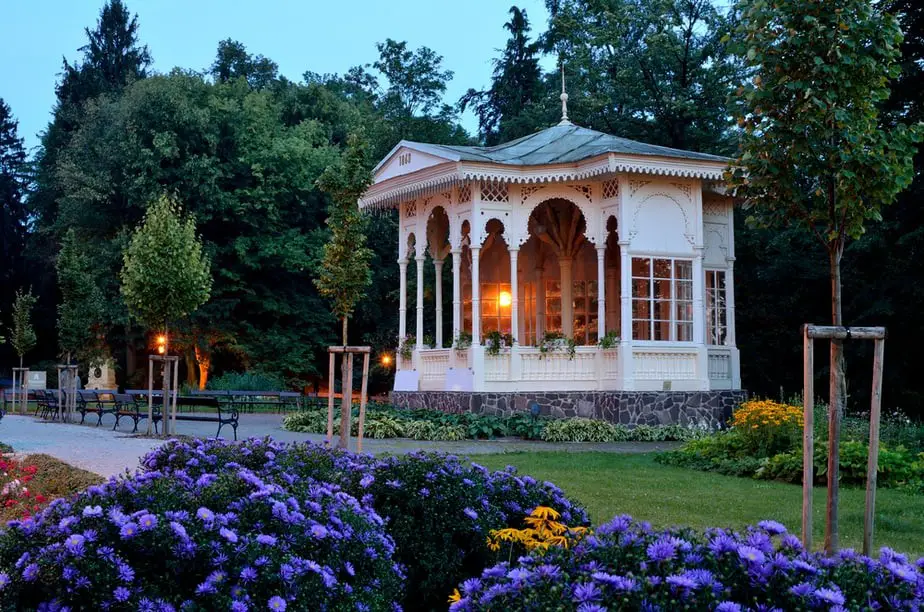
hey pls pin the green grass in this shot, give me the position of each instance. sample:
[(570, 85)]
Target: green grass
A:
[(609, 484)]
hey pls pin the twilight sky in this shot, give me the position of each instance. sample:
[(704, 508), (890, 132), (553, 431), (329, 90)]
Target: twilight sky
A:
[(299, 35)]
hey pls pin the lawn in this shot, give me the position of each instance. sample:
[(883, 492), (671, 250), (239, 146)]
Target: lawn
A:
[(609, 484)]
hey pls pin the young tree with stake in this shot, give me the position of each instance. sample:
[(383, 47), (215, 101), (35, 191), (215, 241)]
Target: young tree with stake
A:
[(22, 335), (813, 154), (344, 273), (165, 274)]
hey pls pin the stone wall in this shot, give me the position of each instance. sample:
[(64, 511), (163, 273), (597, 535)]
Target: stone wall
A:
[(625, 407)]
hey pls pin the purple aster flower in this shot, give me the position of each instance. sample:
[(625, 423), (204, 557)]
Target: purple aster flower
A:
[(681, 583), (128, 530), (147, 522), (468, 587), (772, 527), (121, 594), (248, 574), (664, 549), (803, 589), (267, 540), (179, 530), (238, 606), (366, 481), (728, 606), (723, 543), (4, 580), (93, 511), (586, 593), (519, 574), (590, 607), (790, 541), (228, 534), (750, 554), (126, 573), (470, 513), (74, 544), (831, 596), (30, 572), (205, 515), (618, 583), (804, 566), (319, 531)]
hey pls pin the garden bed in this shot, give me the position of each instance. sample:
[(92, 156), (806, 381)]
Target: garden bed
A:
[(29, 483)]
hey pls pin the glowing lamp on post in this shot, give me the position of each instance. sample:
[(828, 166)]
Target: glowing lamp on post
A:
[(386, 360), (161, 344)]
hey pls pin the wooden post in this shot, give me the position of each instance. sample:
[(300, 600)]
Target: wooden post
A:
[(151, 394), (346, 407), (872, 465), (176, 377), (808, 433), (362, 404), (330, 400)]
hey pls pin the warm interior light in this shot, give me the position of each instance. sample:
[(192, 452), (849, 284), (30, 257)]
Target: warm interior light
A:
[(505, 299), (386, 360)]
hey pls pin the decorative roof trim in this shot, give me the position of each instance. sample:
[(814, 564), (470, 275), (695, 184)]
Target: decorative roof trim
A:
[(426, 181), (436, 151)]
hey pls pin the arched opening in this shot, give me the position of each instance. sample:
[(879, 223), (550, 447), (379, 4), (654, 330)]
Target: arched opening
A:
[(613, 267), (438, 248), (558, 273), (494, 277)]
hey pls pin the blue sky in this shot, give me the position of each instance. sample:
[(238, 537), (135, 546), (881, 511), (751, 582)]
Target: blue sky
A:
[(298, 35)]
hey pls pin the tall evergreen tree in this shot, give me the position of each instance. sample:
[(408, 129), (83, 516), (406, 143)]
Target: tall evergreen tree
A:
[(515, 86), (13, 185)]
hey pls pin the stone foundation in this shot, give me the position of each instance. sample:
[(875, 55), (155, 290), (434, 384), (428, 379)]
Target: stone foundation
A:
[(624, 407)]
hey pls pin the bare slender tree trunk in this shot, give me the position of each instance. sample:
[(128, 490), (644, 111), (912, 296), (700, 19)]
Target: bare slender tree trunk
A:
[(836, 399), (204, 360), (346, 405)]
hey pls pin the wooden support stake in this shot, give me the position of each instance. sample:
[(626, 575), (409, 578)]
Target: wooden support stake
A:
[(808, 432), (346, 409), (330, 400), (362, 404), (151, 395), (872, 465), (176, 378)]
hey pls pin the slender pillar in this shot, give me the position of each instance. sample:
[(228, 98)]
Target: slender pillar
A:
[(567, 299), (612, 299), (420, 302), (540, 303), (699, 311), (456, 293), (601, 292), (730, 339), (438, 269), (402, 300), (514, 296), (476, 295), (626, 363)]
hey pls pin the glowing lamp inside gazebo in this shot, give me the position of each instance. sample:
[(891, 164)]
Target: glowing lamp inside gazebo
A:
[(505, 299)]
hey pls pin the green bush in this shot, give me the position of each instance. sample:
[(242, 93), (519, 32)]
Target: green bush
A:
[(380, 426), (582, 430), (527, 426), (247, 381)]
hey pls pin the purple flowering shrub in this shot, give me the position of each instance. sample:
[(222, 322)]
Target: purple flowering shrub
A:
[(626, 565), (226, 539), (438, 508)]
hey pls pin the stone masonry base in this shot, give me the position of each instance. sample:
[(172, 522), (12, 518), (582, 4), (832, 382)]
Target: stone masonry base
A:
[(625, 407)]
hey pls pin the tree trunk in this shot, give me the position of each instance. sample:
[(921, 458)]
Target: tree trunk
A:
[(192, 381), (346, 405), (204, 359), (130, 365), (836, 399), (164, 416)]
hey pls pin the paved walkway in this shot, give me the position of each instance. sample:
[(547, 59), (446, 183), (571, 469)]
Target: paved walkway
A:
[(107, 452)]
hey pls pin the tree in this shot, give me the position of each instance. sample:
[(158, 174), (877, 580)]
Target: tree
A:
[(654, 70), (165, 275), (22, 334), (344, 273), (13, 186), (233, 62), (813, 154), (516, 84), (81, 311)]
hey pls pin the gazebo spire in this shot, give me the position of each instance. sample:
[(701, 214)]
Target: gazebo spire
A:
[(564, 100)]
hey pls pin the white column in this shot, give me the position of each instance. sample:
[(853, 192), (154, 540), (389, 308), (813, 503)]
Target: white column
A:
[(731, 339), (601, 292), (402, 300), (456, 293), (476, 295), (699, 312), (612, 299), (438, 268), (420, 302), (514, 296), (567, 299), (626, 363), (540, 303)]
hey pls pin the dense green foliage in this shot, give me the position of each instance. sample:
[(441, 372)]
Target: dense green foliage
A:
[(81, 310), (13, 214), (22, 333)]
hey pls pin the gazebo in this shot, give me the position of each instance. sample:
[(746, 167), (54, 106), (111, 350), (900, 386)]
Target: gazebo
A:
[(568, 234)]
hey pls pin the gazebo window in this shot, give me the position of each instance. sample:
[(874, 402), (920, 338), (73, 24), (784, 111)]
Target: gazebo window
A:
[(584, 295), (495, 307), (716, 308), (662, 299)]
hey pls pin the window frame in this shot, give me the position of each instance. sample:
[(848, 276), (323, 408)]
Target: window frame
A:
[(710, 290), (651, 299)]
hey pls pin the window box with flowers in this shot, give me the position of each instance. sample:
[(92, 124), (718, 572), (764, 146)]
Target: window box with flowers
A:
[(495, 342), (556, 342), (406, 347)]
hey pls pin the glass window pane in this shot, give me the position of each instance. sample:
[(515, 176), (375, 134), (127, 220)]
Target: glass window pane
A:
[(683, 269), (641, 287), (641, 309), (641, 330), (662, 330), (685, 332), (577, 288), (662, 310), (552, 288), (720, 280), (684, 290), (662, 289), (592, 288), (553, 323), (662, 268), (684, 311), (580, 304), (641, 266)]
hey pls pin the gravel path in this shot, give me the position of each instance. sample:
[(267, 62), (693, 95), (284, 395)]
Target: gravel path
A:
[(107, 452)]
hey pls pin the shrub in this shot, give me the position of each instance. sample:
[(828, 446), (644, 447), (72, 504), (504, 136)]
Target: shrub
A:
[(767, 427), (227, 540), (247, 381), (379, 426), (582, 430), (627, 566), (438, 509)]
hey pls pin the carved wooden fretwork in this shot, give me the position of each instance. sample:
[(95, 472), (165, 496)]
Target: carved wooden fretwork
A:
[(528, 191), (685, 189), (687, 234), (584, 190), (610, 189), (465, 193), (635, 185), (492, 191), (447, 195), (410, 209), (714, 208)]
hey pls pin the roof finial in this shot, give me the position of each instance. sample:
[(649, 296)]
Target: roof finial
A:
[(564, 99)]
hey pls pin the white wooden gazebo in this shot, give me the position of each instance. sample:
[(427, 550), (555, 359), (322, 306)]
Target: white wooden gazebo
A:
[(570, 231)]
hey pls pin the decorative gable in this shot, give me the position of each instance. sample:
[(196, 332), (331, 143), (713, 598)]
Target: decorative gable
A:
[(406, 160)]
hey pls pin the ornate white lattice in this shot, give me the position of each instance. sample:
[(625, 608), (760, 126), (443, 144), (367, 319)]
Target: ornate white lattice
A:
[(527, 191), (685, 189), (714, 208), (446, 195), (410, 209), (492, 191), (610, 189), (465, 193), (635, 185), (584, 190)]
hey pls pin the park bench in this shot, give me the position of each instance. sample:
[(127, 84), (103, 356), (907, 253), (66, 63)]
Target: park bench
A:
[(46, 404), (226, 413), (248, 401), (97, 401)]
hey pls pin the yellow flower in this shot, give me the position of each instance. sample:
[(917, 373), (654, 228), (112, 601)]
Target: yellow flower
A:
[(456, 596)]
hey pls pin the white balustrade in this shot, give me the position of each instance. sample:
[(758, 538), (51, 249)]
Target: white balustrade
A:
[(558, 365), (719, 365), (433, 364), (610, 364), (497, 367), (664, 365)]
